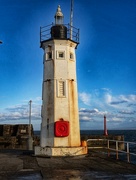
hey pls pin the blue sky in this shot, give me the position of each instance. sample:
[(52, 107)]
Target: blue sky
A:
[(106, 60)]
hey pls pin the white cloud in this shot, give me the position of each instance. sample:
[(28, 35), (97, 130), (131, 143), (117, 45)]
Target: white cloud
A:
[(108, 98), (120, 99), (85, 98), (119, 109), (117, 119), (86, 118), (96, 110), (127, 112), (38, 98), (20, 113), (106, 90), (84, 110), (91, 114), (34, 100)]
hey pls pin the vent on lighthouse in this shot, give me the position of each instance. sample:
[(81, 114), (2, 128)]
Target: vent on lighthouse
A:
[(59, 31)]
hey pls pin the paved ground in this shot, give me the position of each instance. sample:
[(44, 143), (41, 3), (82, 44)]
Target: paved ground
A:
[(19, 165)]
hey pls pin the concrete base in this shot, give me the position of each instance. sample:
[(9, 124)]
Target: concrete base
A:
[(60, 151)]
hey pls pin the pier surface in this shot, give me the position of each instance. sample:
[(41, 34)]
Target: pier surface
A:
[(20, 165)]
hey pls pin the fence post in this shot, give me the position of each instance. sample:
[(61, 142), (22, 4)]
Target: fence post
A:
[(117, 154), (128, 154), (108, 148)]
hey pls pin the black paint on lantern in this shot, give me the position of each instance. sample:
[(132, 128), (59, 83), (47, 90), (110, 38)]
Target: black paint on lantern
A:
[(59, 32)]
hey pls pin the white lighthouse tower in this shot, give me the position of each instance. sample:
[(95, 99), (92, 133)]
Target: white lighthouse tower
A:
[(60, 131)]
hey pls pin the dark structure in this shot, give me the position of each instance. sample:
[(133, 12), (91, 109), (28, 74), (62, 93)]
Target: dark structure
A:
[(14, 136)]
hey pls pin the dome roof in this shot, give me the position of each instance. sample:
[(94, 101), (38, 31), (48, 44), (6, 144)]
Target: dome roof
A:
[(58, 12)]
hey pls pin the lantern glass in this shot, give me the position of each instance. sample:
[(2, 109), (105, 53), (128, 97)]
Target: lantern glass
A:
[(59, 16)]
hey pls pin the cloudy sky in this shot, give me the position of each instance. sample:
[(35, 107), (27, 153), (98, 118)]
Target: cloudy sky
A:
[(106, 60)]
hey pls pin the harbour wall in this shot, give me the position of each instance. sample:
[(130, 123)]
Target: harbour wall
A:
[(16, 137)]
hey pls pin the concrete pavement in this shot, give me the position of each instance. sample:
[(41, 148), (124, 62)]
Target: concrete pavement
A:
[(21, 165)]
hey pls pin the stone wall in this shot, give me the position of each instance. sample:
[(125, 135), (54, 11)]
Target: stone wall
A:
[(14, 136)]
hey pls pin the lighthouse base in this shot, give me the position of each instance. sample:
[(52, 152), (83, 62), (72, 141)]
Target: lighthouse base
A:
[(60, 151)]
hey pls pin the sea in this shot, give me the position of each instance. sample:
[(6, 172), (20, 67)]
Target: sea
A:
[(129, 136)]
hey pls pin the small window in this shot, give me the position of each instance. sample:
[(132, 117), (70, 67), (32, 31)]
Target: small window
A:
[(71, 56), (60, 55), (48, 55)]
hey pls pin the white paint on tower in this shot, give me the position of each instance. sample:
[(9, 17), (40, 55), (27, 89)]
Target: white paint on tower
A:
[(60, 131)]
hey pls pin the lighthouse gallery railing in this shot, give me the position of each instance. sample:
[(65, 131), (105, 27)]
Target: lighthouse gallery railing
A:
[(72, 33)]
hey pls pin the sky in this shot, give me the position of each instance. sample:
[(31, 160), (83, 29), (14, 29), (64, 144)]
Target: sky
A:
[(106, 60)]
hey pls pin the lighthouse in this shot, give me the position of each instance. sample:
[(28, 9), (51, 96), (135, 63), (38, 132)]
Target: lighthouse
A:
[(105, 126), (60, 130)]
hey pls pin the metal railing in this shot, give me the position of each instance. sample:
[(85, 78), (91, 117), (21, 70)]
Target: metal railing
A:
[(72, 32), (117, 147)]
